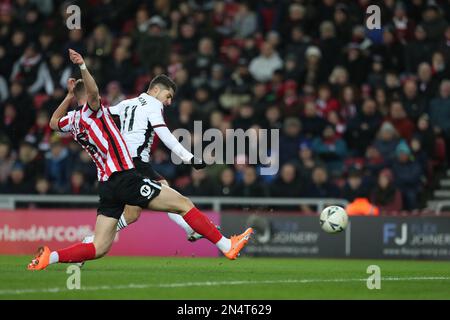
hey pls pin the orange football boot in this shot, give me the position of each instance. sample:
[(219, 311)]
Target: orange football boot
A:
[(41, 261), (237, 243)]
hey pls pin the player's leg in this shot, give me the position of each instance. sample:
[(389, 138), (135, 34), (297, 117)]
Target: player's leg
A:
[(170, 200), (146, 169), (177, 218), (130, 215), (105, 230)]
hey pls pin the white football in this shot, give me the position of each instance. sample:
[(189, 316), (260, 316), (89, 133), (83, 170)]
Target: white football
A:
[(333, 219)]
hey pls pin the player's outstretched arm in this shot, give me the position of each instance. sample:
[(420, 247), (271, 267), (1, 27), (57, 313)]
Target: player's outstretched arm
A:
[(62, 108), (93, 95), (176, 147)]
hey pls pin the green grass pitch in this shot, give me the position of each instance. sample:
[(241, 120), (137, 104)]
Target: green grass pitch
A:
[(218, 278)]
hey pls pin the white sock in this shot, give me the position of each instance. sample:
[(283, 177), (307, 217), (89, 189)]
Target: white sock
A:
[(179, 220), (54, 257), (88, 239), (224, 244), (122, 223)]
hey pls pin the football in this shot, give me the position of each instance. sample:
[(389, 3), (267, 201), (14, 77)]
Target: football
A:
[(333, 219)]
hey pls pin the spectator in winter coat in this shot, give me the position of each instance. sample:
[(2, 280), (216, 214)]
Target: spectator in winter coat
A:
[(385, 195), (427, 84), (287, 184), (433, 22), (263, 66), (321, 187), (440, 113), (58, 166), (331, 149), (312, 124), (200, 184), (362, 129), (400, 120), (306, 162), (387, 140), (425, 134), (408, 174), (250, 185), (227, 184), (414, 104), (355, 186), (17, 183), (245, 22), (418, 50), (31, 70), (325, 102), (290, 139), (6, 160)]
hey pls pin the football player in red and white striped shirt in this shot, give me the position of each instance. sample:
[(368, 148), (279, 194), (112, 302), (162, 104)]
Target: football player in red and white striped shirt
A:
[(120, 184), (99, 136)]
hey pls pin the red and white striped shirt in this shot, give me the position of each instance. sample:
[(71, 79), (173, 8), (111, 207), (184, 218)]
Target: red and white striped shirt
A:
[(97, 133)]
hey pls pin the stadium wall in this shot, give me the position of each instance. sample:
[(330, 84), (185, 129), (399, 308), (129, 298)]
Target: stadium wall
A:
[(22, 231), (288, 235), (277, 235)]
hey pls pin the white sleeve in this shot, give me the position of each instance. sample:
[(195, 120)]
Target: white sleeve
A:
[(156, 118), (115, 110), (171, 142)]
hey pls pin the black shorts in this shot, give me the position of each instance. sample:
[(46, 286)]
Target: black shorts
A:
[(126, 187), (147, 170)]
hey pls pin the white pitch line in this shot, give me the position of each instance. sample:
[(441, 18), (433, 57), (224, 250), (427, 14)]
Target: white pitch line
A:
[(208, 284)]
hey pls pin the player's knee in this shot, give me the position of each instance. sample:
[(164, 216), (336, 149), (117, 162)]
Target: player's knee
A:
[(132, 216), (101, 250), (185, 204), (101, 253), (164, 182)]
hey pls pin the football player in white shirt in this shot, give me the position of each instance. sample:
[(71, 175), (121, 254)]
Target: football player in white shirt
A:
[(140, 119)]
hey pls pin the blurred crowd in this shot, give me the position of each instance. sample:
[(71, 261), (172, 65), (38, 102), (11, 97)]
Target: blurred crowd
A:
[(361, 113)]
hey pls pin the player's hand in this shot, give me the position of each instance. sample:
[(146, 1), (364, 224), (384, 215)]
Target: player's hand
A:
[(197, 163), (71, 85), (75, 57)]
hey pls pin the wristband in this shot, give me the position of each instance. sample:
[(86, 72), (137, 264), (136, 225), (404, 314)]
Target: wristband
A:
[(83, 66)]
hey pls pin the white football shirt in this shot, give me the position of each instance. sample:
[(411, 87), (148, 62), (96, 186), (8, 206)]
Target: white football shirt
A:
[(140, 119)]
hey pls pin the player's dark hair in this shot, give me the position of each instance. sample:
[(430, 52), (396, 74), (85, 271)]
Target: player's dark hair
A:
[(78, 89), (163, 80)]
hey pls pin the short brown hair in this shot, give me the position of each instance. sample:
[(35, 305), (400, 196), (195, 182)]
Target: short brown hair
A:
[(163, 80), (79, 89)]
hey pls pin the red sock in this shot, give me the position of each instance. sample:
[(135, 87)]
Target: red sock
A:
[(202, 225), (77, 253)]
